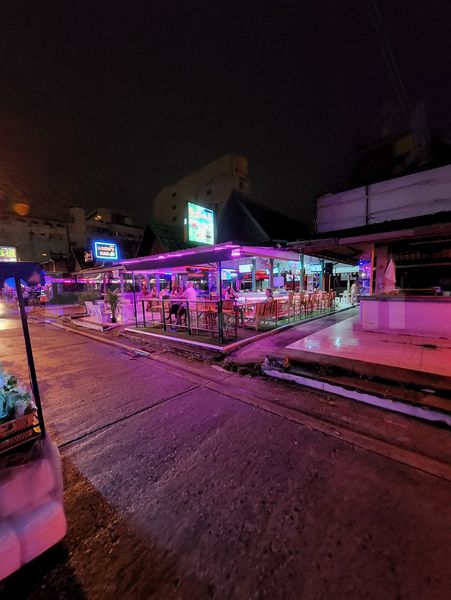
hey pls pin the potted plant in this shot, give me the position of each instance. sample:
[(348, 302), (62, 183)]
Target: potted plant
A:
[(17, 412), (88, 296), (113, 300)]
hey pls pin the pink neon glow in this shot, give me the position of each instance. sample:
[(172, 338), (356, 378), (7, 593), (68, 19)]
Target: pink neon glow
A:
[(188, 252)]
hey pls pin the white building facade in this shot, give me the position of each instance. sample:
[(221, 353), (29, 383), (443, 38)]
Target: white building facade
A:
[(51, 241), (210, 186)]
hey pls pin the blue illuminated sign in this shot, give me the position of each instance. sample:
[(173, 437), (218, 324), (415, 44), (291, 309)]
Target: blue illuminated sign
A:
[(105, 250)]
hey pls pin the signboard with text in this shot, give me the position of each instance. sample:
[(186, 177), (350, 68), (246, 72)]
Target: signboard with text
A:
[(105, 250), (201, 224), (8, 254)]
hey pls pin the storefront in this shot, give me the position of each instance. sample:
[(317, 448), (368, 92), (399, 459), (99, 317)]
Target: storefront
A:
[(234, 292)]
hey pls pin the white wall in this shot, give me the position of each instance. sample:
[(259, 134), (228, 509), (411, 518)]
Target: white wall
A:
[(414, 195), (33, 237), (219, 177)]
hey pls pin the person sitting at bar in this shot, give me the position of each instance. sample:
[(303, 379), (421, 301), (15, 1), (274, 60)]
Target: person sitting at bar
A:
[(268, 294), (153, 296), (164, 294), (190, 292), (190, 295), (230, 294), (174, 306)]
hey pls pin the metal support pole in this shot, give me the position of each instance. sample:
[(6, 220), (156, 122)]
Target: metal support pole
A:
[(29, 351), (372, 272), (301, 272), (271, 273), (144, 313), (254, 274), (220, 315), (134, 299), (188, 318), (163, 315)]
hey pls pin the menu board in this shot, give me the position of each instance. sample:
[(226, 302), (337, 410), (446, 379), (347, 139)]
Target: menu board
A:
[(201, 224)]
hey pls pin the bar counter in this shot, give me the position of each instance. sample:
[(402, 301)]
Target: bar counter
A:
[(414, 315)]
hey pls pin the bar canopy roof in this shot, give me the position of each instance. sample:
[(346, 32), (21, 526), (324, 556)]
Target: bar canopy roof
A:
[(348, 246), (204, 255)]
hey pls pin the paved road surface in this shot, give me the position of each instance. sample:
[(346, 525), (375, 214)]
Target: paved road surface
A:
[(174, 490)]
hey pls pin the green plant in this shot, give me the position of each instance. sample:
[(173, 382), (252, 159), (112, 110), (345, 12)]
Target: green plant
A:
[(113, 300), (65, 298), (89, 296), (14, 401)]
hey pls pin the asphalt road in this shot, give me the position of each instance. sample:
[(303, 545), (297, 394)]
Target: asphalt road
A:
[(176, 490)]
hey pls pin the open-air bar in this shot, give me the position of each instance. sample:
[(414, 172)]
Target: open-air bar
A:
[(224, 292)]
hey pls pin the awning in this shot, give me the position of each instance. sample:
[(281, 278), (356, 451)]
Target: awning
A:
[(349, 248), (95, 271), (204, 255)]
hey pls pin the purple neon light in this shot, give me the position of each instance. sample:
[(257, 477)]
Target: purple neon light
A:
[(190, 252)]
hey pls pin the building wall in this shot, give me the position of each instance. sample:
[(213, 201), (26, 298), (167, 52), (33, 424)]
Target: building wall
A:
[(210, 186), (43, 239), (102, 222), (423, 193), (35, 239)]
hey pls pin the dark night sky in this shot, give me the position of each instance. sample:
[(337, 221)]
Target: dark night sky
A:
[(106, 102)]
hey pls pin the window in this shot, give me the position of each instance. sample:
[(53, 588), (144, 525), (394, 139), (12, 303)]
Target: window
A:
[(174, 219), (174, 194), (208, 192), (174, 206)]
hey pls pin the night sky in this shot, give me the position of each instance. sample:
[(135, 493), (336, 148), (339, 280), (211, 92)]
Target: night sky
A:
[(106, 102)]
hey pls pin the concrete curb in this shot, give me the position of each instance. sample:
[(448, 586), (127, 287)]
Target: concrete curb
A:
[(98, 339), (432, 415)]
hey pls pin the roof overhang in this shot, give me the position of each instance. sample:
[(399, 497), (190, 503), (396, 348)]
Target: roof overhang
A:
[(95, 271), (350, 248), (205, 255)]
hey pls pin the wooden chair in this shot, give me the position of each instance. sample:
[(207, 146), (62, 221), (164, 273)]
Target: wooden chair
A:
[(265, 312), (155, 310), (230, 318), (283, 307), (203, 317)]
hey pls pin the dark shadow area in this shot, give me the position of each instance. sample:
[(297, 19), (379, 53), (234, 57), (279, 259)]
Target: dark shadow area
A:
[(102, 556)]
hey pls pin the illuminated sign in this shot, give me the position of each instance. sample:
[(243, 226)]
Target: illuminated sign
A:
[(105, 250), (8, 254), (245, 268), (201, 224)]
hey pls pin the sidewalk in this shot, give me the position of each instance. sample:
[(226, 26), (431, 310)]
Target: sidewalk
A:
[(255, 353)]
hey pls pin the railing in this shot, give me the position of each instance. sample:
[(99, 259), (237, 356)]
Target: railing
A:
[(223, 319)]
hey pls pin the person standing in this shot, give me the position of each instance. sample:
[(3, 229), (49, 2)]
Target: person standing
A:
[(354, 293)]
